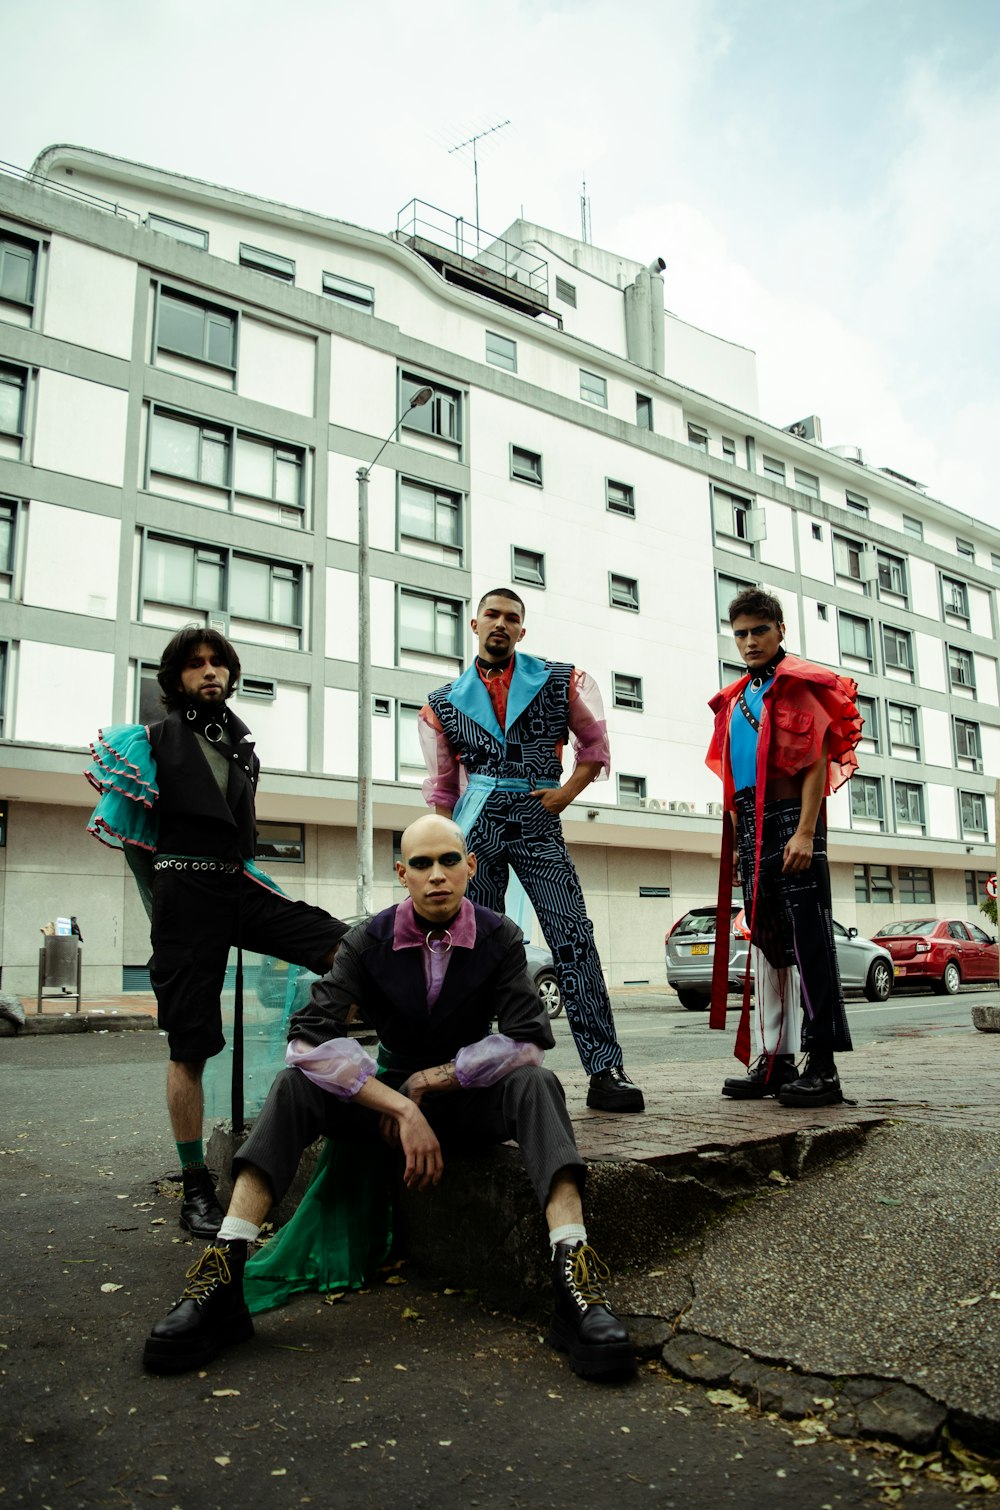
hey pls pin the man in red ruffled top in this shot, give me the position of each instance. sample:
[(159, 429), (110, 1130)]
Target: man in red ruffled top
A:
[(784, 739)]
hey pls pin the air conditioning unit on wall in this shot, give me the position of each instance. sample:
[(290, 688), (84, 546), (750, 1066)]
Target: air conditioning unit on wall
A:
[(680, 807), (713, 809)]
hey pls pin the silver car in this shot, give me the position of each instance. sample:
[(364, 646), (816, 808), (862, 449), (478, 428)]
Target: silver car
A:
[(690, 951)]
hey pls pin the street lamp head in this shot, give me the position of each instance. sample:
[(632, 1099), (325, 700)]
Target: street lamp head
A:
[(421, 397)]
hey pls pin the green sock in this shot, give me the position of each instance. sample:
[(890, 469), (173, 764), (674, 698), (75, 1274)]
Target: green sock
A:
[(191, 1153)]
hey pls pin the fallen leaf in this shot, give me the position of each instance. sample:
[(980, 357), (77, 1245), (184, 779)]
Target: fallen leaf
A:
[(400, 1367), (777, 1178), (973, 1300), (109, 1289), (445, 1444), (888, 1200), (223, 1462), (728, 1398), (395, 1279), (278, 1473), (222, 1394), (682, 1410), (356, 1445), (409, 1314), (626, 1430)]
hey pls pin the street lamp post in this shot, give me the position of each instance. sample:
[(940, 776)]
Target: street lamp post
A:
[(365, 827)]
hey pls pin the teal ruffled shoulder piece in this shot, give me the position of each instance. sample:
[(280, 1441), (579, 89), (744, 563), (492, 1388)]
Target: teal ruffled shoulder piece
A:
[(123, 771)]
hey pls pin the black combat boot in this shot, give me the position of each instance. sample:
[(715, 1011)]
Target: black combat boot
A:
[(583, 1324), (210, 1315), (818, 1084), (201, 1214), (765, 1078)]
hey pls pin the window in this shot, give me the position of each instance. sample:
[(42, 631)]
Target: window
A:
[(527, 567), (913, 527), (973, 809), (821, 611), (734, 516), (891, 575), (409, 755), (904, 728), (872, 883), (726, 589), (3, 825), (191, 235), (729, 671), (441, 416), (897, 649), (566, 292), (623, 592), (359, 296), (729, 450), (430, 626), (190, 328), (260, 688), (698, 437), (272, 263), (995, 561), (433, 517), (916, 884), (868, 708), (966, 548), (593, 389), (773, 467), (961, 668), (18, 265), (13, 387), (177, 574), (4, 660), (631, 790), (857, 502), (619, 497), (807, 482), (909, 804), (955, 598), (243, 466), (627, 691), (501, 352), (644, 411), (817, 531), (968, 741), (866, 799), (855, 638), (847, 557), (975, 886), (281, 841), (525, 466)]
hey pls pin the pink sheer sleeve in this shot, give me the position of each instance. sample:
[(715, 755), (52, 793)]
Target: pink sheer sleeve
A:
[(441, 789), (340, 1065), (587, 727), (484, 1063)]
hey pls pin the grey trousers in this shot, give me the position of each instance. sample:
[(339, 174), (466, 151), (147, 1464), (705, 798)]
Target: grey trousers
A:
[(527, 1106)]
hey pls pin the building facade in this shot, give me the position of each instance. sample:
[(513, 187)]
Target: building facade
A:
[(190, 378)]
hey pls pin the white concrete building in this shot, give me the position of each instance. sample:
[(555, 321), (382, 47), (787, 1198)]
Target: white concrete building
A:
[(189, 380)]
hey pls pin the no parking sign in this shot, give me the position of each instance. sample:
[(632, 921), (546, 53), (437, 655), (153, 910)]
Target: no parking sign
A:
[(991, 887)]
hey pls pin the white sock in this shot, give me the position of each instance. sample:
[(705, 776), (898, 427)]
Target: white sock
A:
[(572, 1232), (235, 1228)]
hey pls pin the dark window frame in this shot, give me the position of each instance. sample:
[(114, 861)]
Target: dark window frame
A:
[(272, 264), (530, 466), (223, 557), (220, 313), (268, 853), (520, 573), (19, 244), (630, 698), (624, 504), (436, 599), (234, 435), (341, 291), (442, 417), (437, 497), (505, 360), (632, 605)]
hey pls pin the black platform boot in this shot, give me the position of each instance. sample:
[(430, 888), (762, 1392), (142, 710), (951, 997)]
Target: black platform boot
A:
[(201, 1214), (583, 1324), (210, 1315), (764, 1078), (818, 1084)]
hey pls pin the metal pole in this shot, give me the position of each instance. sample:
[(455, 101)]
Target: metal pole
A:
[(365, 836)]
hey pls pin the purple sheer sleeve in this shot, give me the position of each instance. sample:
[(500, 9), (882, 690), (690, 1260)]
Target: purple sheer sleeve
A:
[(587, 727), (441, 789), (484, 1063), (340, 1065)]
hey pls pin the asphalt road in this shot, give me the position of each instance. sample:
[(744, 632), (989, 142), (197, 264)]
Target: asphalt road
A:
[(650, 1034), (397, 1397)]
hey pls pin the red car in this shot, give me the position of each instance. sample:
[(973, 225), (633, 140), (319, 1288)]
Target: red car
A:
[(946, 951)]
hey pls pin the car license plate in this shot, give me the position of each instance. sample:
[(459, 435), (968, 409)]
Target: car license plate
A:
[(897, 971), (699, 948)]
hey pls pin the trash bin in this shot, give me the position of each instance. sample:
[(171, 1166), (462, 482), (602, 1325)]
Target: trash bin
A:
[(60, 964)]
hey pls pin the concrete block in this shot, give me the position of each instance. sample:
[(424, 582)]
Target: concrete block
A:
[(986, 1017)]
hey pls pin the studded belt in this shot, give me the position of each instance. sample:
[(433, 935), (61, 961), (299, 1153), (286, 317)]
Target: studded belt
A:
[(186, 862)]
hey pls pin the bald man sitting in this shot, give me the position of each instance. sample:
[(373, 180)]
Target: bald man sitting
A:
[(430, 975)]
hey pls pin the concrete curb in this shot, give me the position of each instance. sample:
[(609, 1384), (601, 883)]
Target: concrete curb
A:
[(78, 1022)]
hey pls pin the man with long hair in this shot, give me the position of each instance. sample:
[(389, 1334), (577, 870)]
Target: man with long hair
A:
[(178, 797)]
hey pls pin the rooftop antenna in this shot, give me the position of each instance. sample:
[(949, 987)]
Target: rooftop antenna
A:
[(471, 142), (586, 230)]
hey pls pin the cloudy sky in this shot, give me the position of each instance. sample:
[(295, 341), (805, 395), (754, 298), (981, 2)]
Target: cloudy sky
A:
[(821, 176)]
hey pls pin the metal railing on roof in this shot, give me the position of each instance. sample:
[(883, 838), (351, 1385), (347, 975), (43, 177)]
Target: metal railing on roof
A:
[(111, 207), (419, 221)]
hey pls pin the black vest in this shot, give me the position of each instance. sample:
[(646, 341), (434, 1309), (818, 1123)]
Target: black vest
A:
[(528, 750), (194, 817)]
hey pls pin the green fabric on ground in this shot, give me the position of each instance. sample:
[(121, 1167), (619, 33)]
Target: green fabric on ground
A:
[(340, 1233), (191, 1153)]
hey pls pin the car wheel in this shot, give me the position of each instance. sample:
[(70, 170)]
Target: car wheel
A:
[(878, 986), (549, 993), (693, 1001), (951, 979)]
